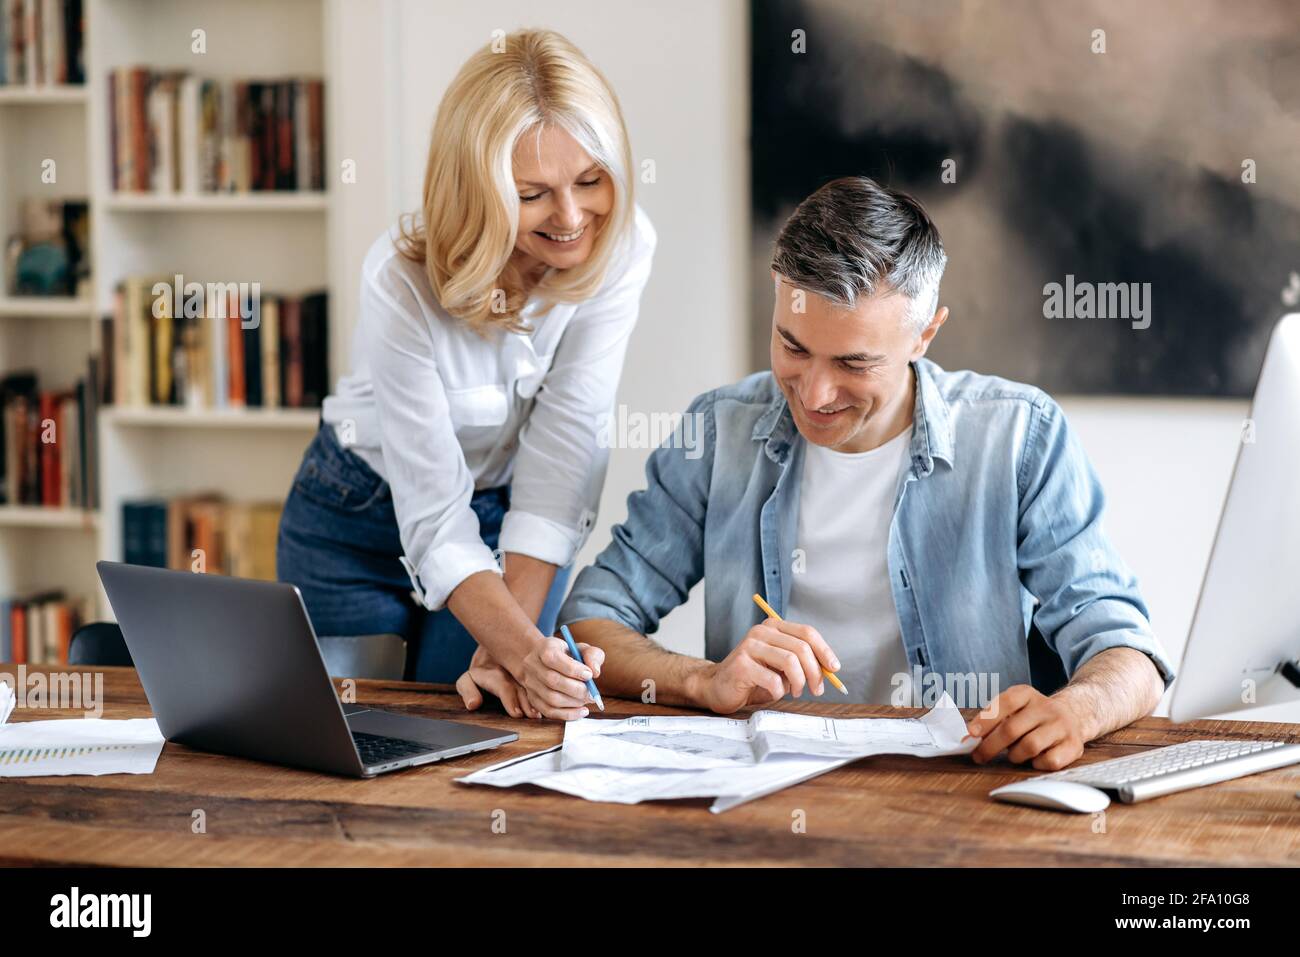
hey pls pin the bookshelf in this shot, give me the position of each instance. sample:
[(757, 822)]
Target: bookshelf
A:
[(39, 307), (165, 417), (139, 203), (36, 516), (43, 95), (283, 240)]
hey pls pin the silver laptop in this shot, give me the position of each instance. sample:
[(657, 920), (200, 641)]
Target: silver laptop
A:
[(231, 665)]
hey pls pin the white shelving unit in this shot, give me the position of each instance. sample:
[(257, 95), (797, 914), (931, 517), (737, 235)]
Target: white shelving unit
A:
[(282, 241), (36, 307), (43, 94), (233, 203), (161, 416), (42, 548), (36, 516)]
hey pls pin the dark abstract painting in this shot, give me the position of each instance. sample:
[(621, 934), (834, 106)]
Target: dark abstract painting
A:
[(1117, 184)]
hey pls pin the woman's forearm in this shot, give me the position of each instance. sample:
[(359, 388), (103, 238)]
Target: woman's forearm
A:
[(491, 613), (529, 580)]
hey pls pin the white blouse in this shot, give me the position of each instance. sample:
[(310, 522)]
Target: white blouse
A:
[(439, 411)]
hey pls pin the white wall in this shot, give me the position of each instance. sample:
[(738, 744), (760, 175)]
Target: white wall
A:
[(1165, 465), (682, 77)]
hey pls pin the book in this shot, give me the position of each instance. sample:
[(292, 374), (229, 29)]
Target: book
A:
[(173, 131), (276, 358), (47, 448), (203, 532), (37, 629), (41, 42), (315, 349), (144, 532)]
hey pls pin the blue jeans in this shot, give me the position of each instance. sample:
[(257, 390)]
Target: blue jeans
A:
[(339, 543)]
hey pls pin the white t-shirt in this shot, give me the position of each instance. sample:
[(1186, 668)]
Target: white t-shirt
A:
[(846, 505), (439, 411)]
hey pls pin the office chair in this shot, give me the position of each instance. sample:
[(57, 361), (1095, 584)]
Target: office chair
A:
[(380, 657)]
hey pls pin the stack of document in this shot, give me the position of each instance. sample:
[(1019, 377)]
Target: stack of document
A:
[(730, 759), (75, 745)]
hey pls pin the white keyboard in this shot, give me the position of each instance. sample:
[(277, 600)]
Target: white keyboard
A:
[(1179, 767)]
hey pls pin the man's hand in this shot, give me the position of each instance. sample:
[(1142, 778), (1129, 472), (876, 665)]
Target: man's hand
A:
[(774, 659), (554, 682), (485, 674), (1033, 726)]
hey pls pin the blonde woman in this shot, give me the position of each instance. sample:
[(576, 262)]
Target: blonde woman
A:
[(457, 469)]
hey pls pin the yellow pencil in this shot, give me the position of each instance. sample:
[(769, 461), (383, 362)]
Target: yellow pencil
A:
[(830, 675)]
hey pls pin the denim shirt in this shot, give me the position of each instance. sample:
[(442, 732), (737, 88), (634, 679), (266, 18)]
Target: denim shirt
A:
[(996, 527)]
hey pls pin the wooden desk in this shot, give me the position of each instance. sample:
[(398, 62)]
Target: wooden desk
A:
[(882, 811)]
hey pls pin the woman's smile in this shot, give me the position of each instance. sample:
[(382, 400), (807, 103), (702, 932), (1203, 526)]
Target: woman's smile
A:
[(562, 238)]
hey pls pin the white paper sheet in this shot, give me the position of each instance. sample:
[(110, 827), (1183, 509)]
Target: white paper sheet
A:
[(701, 742), (79, 746), (7, 701), (731, 786), (728, 759)]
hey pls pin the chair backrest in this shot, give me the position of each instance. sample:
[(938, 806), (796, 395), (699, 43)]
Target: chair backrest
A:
[(381, 657), (99, 643)]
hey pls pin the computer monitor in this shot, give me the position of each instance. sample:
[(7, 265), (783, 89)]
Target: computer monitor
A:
[(1244, 642)]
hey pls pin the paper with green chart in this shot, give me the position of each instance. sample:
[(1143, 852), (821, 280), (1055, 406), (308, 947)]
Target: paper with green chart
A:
[(75, 745), (732, 759)]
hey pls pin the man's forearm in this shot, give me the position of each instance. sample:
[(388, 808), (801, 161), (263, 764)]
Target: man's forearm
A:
[(632, 659), (1112, 689)]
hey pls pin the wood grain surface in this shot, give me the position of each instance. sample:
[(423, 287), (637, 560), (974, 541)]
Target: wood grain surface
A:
[(880, 811)]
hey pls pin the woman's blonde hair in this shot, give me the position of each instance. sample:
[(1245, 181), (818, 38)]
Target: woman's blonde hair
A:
[(526, 79)]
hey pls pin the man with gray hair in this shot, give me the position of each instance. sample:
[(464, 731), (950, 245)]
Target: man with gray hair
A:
[(903, 521)]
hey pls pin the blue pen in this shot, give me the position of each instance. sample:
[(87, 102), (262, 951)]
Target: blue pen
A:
[(577, 656)]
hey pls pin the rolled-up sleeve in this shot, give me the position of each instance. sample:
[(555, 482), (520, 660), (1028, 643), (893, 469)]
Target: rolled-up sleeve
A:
[(1088, 598), (559, 470), (426, 470), (656, 557)]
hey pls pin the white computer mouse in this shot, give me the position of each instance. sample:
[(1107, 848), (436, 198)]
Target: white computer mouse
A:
[(1053, 794)]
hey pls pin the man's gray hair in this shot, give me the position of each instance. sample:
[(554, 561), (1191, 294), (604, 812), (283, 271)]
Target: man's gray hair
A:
[(855, 237)]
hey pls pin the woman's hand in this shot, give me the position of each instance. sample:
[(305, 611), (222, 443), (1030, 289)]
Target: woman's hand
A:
[(554, 682), (485, 674)]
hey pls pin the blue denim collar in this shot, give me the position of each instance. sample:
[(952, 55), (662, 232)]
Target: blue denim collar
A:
[(776, 427), (932, 428), (931, 432)]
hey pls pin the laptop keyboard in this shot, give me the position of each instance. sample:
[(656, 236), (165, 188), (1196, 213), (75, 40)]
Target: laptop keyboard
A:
[(378, 749)]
